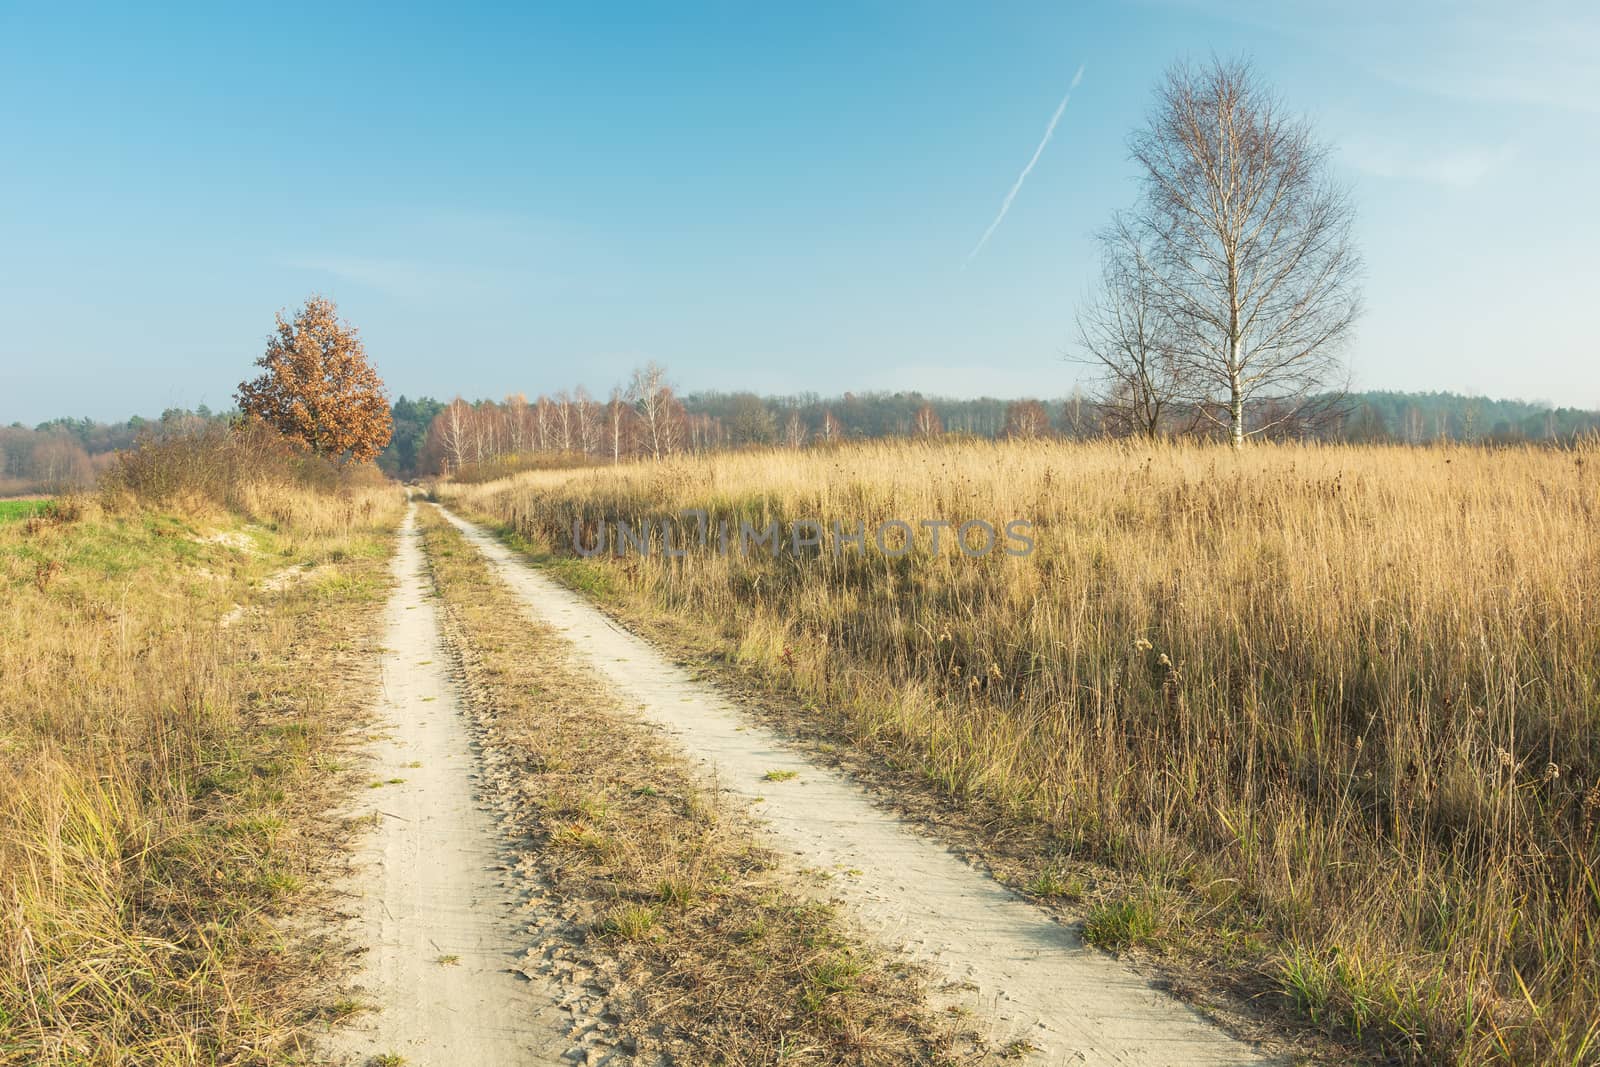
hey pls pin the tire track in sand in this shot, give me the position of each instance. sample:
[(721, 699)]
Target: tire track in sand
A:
[(1033, 979), (434, 905)]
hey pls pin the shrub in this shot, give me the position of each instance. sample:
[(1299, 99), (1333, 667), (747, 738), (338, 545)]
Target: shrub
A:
[(248, 468)]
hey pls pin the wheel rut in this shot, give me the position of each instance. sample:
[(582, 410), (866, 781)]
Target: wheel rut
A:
[(434, 904), (1032, 979)]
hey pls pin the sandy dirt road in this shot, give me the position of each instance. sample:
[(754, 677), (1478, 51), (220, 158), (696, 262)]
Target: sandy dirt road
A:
[(1031, 978), (435, 907)]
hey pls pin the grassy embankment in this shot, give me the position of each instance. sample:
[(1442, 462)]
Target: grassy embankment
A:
[(706, 954), (1331, 713), (169, 731)]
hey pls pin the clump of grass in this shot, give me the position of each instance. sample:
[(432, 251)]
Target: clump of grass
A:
[(344, 1008), (676, 892), (1052, 882), (1348, 689), (1122, 924), (835, 975), (584, 838), (630, 922), (780, 776)]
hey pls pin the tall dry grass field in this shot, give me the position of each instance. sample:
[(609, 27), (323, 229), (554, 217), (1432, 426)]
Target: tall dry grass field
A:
[(1335, 708), (162, 715)]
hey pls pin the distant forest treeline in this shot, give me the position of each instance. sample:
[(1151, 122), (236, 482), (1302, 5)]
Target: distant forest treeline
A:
[(431, 436), (1413, 418), (68, 453)]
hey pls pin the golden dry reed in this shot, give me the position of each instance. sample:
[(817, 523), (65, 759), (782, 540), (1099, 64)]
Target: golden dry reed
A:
[(162, 718), (1336, 706)]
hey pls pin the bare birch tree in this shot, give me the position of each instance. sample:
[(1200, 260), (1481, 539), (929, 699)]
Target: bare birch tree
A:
[(1079, 416), (493, 419), (586, 413), (544, 423), (1126, 334), (478, 426), (563, 421), (617, 415), (794, 430), (654, 404), (926, 422), (454, 430), (517, 427), (1248, 242), (673, 425)]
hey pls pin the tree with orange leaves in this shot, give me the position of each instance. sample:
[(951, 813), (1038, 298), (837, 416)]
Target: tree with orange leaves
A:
[(316, 385)]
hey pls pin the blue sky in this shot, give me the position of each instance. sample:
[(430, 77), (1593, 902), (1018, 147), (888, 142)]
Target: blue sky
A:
[(772, 197)]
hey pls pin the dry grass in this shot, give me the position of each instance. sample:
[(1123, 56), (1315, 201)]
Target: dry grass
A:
[(162, 774), (1333, 708), (707, 956), (249, 470)]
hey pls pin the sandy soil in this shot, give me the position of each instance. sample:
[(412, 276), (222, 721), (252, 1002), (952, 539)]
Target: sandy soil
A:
[(1030, 977), (275, 582), (434, 903)]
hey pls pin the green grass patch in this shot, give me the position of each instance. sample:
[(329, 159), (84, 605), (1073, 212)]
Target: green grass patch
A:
[(834, 975), (631, 922), (12, 510), (1123, 924)]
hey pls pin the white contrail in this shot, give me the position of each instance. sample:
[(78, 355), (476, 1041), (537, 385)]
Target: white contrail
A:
[(1049, 131)]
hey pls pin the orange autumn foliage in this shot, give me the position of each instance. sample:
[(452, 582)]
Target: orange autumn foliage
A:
[(317, 386)]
